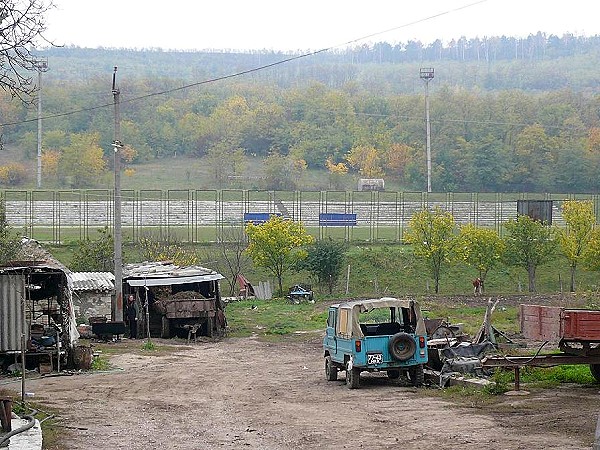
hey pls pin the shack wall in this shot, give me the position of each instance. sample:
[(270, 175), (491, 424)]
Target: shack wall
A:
[(12, 287), (92, 304)]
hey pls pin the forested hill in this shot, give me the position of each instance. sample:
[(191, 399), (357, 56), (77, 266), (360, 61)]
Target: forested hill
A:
[(538, 62), (507, 115)]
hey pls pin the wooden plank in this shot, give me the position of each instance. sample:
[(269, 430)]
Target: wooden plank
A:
[(582, 325), (541, 323)]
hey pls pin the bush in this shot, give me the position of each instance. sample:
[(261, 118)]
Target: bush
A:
[(13, 174)]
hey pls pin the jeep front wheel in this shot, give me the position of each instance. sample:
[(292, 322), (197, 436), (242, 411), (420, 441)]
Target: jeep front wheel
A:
[(352, 377), (595, 369), (402, 346), (331, 371)]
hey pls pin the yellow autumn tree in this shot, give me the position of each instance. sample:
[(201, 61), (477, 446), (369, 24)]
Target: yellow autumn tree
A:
[(397, 159), (366, 160), (575, 237), (82, 162), (336, 173), (50, 159), (277, 245)]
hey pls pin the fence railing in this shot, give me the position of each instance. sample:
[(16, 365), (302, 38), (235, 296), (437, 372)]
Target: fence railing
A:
[(205, 215)]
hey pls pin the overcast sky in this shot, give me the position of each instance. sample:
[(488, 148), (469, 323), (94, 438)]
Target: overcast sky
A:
[(306, 24)]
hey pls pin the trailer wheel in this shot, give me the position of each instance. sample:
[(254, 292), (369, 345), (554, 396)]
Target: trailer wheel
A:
[(402, 346), (352, 377), (595, 369), (331, 371), (416, 375)]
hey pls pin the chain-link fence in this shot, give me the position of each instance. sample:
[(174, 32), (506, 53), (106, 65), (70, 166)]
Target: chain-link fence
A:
[(205, 215)]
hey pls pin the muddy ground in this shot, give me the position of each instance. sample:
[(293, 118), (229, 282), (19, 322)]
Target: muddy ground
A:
[(246, 393)]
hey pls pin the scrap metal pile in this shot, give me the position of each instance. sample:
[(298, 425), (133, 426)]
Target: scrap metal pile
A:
[(452, 352)]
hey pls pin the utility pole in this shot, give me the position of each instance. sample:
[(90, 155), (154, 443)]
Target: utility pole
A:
[(426, 75), (41, 65), (117, 306)]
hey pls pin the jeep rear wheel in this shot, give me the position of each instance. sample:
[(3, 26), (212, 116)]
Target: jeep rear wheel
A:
[(416, 375), (331, 371), (352, 377), (402, 346)]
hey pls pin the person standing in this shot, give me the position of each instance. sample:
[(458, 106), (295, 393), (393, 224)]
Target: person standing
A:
[(132, 317)]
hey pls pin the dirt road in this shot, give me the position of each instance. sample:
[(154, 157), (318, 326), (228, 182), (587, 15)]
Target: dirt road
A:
[(245, 393)]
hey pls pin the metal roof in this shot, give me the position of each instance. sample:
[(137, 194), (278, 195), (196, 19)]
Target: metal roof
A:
[(93, 281), (164, 269)]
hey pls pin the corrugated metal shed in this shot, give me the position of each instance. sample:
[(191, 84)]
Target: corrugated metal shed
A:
[(46, 278), (12, 288), (93, 281)]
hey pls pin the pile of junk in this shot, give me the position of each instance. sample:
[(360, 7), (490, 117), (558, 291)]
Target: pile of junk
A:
[(452, 353)]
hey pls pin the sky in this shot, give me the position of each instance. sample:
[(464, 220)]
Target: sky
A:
[(308, 24)]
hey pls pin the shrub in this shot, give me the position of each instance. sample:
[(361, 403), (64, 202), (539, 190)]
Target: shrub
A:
[(12, 174)]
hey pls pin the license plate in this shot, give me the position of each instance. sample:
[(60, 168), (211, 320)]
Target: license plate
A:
[(375, 358)]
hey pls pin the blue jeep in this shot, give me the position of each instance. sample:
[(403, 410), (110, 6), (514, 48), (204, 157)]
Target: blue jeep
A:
[(386, 335)]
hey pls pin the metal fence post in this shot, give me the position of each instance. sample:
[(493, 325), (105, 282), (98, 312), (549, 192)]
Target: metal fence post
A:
[(597, 437)]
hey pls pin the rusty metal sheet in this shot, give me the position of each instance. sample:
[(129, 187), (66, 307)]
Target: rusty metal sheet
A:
[(581, 324), (541, 323)]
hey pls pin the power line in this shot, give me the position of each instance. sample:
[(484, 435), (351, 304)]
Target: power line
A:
[(255, 69)]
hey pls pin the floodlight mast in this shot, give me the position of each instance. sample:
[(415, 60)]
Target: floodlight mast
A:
[(426, 75), (41, 65), (117, 305)]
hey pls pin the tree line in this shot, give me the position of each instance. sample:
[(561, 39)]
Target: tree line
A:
[(505, 141)]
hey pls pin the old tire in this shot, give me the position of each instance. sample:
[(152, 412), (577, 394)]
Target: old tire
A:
[(331, 371), (416, 375), (352, 377), (393, 374), (402, 346), (595, 369)]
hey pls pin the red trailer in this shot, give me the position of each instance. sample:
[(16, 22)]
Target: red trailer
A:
[(577, 331)]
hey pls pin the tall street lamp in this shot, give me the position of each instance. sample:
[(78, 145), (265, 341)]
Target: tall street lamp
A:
[(41, 65), (426, 75)]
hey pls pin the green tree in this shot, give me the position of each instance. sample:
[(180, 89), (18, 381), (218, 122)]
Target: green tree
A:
[(277, 245), (480, 248), (529, 244), (591, 259), (283, 172), (95, 255), (575, 238), (325, 261), (9, 240), (432, 235)]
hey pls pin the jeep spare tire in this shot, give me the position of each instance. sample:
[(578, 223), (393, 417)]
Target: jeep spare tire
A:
[(402, 346)]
